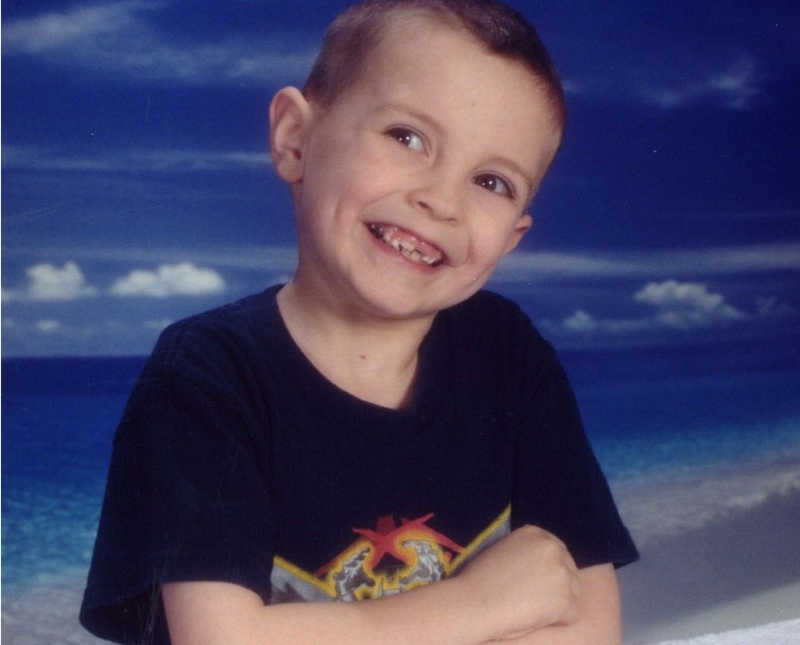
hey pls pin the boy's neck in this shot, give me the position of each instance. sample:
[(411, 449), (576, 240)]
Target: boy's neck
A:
[(374, 359)]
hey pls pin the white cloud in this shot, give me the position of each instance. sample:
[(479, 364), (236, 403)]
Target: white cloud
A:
[(48, 326), (47, 282), (756, 257), (531, 266), (54, 31), (771, 307), (526, 265), (184, 279), (135, 160), (580, 321), (677, 305), (734, 86), (118, 37), (158, 325), (672, 75), (684, 304), (51, 336), (275, 260)]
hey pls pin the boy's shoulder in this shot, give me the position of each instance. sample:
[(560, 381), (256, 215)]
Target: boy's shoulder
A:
[(241, 312), (238, 327)]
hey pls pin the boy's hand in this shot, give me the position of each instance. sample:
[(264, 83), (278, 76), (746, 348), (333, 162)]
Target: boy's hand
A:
[(526, 581)]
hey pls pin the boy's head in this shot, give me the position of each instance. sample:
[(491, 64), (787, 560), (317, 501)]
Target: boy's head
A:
[(351, 37), (412, 160)]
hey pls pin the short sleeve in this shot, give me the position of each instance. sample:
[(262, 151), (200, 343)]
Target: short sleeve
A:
[(187, 496), (558, 483)]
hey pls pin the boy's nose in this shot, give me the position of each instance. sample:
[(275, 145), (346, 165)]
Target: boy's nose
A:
[(437, 200)]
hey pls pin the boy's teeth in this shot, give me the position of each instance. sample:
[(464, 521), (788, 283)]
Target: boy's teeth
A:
[(406, 244)]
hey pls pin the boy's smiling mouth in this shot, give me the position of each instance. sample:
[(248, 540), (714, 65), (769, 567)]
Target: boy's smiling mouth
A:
[(407, 244)]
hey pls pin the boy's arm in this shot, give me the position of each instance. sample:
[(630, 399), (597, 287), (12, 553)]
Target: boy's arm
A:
[(598, 622), (211, 613), (488, 600)]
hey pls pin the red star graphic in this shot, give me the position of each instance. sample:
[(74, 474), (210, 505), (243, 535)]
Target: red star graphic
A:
[(386, 535)]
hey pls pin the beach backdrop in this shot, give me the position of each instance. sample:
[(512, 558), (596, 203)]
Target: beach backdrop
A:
[(664, 265), (701, 446)]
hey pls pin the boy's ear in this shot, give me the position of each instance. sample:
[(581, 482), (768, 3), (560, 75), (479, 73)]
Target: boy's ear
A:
[(523, 225), (290, 116)]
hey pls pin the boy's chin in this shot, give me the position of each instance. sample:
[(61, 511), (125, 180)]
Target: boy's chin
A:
[(394, 304), (389, 310)]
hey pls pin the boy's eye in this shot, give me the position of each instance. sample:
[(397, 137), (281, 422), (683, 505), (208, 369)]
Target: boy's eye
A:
[(494, 184), (408, 138)]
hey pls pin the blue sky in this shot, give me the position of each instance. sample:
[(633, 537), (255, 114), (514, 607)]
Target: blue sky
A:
[(136, 188)]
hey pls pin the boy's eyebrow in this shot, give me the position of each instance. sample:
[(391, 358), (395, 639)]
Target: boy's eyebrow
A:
[(422, 116)]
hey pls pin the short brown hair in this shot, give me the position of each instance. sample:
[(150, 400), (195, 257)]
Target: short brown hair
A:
[(356, 31)]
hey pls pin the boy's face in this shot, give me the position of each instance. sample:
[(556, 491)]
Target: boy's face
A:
[(413, 185)]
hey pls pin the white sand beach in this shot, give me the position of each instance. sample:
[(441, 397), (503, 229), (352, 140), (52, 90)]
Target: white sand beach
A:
[(718, 554), (46, 613), (786, 632)]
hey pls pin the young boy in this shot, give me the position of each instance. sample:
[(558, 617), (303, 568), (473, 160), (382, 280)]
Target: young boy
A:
[(378, 423)]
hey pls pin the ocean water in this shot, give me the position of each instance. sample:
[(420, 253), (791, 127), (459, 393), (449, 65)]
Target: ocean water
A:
[(714, 427), (58, 421)]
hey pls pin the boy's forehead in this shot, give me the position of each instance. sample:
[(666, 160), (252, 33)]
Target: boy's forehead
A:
[(404, 31), (410, 44), (438, 68)]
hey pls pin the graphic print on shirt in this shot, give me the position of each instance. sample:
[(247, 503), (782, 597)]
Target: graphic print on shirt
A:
[(383, 561)]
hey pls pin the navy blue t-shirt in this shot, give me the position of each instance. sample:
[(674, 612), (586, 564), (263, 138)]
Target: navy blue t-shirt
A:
[(237, 461)]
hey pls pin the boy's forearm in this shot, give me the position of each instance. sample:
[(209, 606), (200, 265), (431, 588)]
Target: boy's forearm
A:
[(471, 608), (443, 612), (208, 613)]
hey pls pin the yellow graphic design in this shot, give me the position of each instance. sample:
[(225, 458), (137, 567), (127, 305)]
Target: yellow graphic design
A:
[(384, 561)]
